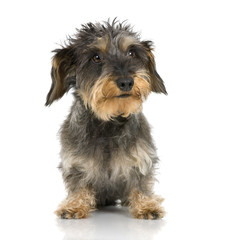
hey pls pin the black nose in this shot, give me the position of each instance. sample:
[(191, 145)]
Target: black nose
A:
[(125, 84)]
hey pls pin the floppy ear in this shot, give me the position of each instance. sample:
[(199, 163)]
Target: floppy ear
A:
[(157, 84), (62, 73)]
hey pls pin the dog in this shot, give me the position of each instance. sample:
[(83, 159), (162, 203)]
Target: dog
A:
[(107, 152)]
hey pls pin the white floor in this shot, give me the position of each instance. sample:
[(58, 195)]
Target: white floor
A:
[(110, 223), (115, 223)]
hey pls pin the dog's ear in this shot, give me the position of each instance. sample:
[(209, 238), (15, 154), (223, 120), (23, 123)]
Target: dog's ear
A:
[(62, 73), (157, 84)]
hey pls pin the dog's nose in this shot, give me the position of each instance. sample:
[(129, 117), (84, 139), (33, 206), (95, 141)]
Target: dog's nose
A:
[(125, 84)]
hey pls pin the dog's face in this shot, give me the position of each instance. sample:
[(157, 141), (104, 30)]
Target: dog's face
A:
[(111, 70)]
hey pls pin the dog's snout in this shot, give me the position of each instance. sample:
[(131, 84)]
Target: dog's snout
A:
[(125, 84)]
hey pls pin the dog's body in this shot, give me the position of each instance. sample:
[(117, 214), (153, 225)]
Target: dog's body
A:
[(107, 150), (113, 157)]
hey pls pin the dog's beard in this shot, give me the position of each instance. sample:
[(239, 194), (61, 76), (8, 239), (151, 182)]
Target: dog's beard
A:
[(107, 101)]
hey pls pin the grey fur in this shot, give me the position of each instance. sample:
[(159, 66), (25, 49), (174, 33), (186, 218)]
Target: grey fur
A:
[(111, 157), (86, 137)]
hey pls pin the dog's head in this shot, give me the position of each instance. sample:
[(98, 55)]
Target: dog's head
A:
[(110, 68)]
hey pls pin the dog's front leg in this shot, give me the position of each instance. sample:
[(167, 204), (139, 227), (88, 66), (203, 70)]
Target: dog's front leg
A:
[(77, 205), (145, 207)]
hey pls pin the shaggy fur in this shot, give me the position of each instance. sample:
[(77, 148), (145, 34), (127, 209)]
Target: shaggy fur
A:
[(107, 150), (77, 205), (145, 207)]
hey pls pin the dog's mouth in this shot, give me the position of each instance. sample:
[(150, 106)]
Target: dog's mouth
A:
[(124, 96)]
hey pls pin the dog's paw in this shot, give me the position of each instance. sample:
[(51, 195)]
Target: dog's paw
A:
[(146, 207), (77, 206), (72, 213), (149, 214)]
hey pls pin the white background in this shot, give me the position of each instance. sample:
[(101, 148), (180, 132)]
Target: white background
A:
[(196, 127)]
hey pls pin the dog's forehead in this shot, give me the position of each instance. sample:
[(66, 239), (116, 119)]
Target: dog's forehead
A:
[(125, 41), (120, 42), (101, 43)]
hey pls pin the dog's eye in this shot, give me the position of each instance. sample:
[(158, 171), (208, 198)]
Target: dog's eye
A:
[(131, 53), (96, 58)]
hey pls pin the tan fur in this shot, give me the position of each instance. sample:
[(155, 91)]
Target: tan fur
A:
[(104, 101), (55, 62), (77, 205), (60, 72), (58, 89), (146, 207), (102, 43), (126, 42)]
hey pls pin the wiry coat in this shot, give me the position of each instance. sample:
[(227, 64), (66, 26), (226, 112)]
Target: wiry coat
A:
[(111, 157), (107, 150)]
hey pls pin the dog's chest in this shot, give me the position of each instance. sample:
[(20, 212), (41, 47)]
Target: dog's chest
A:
[(117, 164), (108, 152)]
